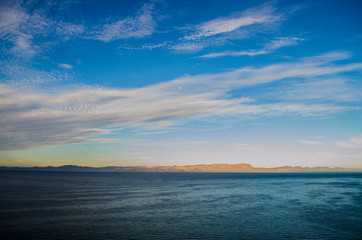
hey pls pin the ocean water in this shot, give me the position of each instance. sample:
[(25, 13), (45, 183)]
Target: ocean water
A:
[(114, 205)]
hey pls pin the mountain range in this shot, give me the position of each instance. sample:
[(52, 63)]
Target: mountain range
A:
[(219, 167)]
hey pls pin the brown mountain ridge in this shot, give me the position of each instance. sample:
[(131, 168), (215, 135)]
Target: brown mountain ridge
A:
[(218, 167)]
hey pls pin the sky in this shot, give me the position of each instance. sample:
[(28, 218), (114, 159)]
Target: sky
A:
[(171, 82)]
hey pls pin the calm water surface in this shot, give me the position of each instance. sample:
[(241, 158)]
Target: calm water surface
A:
[(111, 205)]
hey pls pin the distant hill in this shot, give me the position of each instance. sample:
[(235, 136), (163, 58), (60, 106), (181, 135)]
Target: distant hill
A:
[(220, 167)]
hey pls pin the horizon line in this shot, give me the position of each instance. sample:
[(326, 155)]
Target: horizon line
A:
[(214, 167)]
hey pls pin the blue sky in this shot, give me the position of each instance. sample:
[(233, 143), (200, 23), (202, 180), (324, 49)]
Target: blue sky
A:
[(101, 83)]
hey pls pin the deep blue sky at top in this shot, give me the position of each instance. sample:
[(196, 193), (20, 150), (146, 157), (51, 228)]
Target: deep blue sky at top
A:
[(325, 26)]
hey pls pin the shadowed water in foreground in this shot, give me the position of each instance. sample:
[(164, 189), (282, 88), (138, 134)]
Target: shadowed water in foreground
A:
[(113, 205)]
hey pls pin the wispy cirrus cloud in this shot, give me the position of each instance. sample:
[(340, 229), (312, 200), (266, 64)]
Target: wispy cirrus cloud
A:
[(353, 142), (22, 73), (282, 42), (141, 25), (214, 33), (19, 27), (185, 47), (310, 142), (234, 53), (326, 89), (68, 30), (66, 66), (245, 146), (268, 48), (218, 32), (260, 15), (26, 26), (37, 118)]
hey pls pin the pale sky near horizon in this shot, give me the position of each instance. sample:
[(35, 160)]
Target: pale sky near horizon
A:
[(171, 82)]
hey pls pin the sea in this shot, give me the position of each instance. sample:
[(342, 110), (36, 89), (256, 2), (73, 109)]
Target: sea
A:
[(138, 205)]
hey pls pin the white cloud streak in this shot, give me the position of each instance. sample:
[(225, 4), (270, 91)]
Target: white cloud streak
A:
[(19, 27), (142, 25), (20, 73), (67, 30), (218, 32), (235, 53), (310, 142), (66, 66), (259, 15), (26, 25), (33, 119), (269, 48), (188, 46), (282, 42), (329, 89), (353, 142), (29, 27)]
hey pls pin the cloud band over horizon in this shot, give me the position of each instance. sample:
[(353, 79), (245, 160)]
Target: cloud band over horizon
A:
[(37, 119)]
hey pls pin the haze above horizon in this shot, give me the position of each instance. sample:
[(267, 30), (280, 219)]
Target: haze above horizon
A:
[(162, 83)]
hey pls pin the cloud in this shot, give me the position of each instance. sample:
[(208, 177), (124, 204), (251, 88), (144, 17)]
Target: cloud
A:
[(23, 73), (27, 25), (156, 126), (310, 142), (189, 46), (19, 27), (33, 118), (153, 46), (270, 47), (259, 15), (317, 89), (234, 53), (168, 142), (30, 27), (66, 66), (282, 42), (244, 146), (11, 16), (277, 109), (143, 24), (218, 32), (354, 142), (68, 30)]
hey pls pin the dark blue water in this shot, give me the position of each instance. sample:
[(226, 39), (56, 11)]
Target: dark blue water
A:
[(101, 205)]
